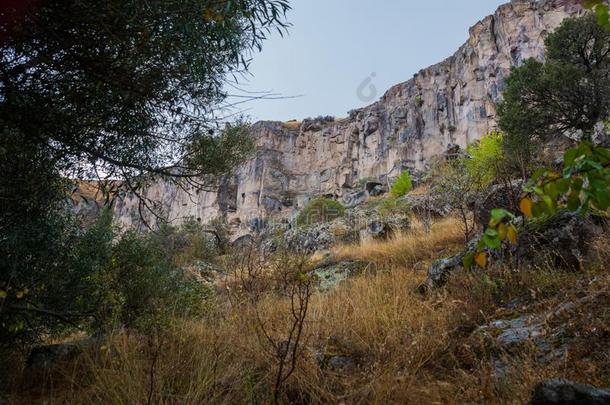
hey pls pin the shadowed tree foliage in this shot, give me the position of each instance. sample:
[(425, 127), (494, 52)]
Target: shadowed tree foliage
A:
[(567, 95), (128, 87), (124, 90)]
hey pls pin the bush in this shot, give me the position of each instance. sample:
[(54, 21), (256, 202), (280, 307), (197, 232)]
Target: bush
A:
[(485, 158), (144, 286), (402, 185), (94, 279), (320, 210)]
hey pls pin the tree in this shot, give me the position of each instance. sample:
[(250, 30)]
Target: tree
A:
[(129, 88), (458, 187), (122, 90), (567, 95), (485, 158), (402, 185), (601, 8)]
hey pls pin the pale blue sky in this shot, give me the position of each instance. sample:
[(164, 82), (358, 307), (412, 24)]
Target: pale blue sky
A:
[(334, 45)]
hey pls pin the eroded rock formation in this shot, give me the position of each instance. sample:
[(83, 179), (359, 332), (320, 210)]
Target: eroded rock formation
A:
[(450, 103)]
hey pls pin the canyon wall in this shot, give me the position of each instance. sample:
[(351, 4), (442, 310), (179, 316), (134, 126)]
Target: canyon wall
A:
[(450, 103)]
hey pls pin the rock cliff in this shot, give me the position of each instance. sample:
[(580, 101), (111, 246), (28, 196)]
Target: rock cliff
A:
[(450, 103)]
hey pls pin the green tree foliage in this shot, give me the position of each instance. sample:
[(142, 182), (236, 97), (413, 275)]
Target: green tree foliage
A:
[(131, 87), (601, 8), (144, 286), (122, 90), (83, 279), (583, 185), (485, 158), (568, 94), (320, 209), (402, 185)]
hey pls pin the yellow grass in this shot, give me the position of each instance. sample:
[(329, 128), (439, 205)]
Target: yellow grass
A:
[(292, 124), (407, 249), (401, 346)]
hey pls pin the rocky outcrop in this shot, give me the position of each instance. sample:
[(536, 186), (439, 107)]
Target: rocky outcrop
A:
[(447, 104), (557, 242), (506, 196), (564, 392)]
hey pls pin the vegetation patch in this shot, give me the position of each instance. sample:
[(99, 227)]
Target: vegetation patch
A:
[(318, 210), (402, 185)]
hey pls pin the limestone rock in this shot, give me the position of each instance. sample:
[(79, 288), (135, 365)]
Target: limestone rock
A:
[(443, 106), (565, 392), (559, 242), (506, 196)]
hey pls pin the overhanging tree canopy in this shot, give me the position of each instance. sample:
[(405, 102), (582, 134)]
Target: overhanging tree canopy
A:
[(128, 87)]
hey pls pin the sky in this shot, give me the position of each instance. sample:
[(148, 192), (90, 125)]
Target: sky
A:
[(344, 54)]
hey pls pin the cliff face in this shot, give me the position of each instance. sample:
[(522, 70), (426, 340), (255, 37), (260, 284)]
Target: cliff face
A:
[(452, 102)]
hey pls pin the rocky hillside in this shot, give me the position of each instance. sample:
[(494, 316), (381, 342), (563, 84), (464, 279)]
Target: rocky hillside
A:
[(450, 103)]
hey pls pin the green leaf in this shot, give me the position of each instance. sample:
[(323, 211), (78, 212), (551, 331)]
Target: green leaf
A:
[(492, 242), (602, 199), (467, 260), (569, 157), (574, 200), (594, 164), (577, 184), (562, 186), (491, 232), (499, 214)]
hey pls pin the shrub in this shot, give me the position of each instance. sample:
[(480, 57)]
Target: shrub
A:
[(144, 286), (485, 158), (320, 210), (402, 185), (391, 206)]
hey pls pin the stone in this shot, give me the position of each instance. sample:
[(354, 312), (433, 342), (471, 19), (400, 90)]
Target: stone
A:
[(330, 275), (517, 331), (369, 186), (377, 191), (558, 242), (565, 392), (439, 271), (309, 239), (317, 157), (46, 356), (357, 198), (506, 196), (243, 242), (379, 230), (429, 204)]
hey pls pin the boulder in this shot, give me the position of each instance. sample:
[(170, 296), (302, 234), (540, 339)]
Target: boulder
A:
[(309, 239), (428, 204), (504, 196), (565, 392), (439, 271), (46, 356), (374, 188), (354, 199), (377, 190), (379, 229), (559, 242)]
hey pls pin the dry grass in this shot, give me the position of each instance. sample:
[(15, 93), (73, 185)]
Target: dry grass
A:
[(407, 249), (292, 124), (374, 339)]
